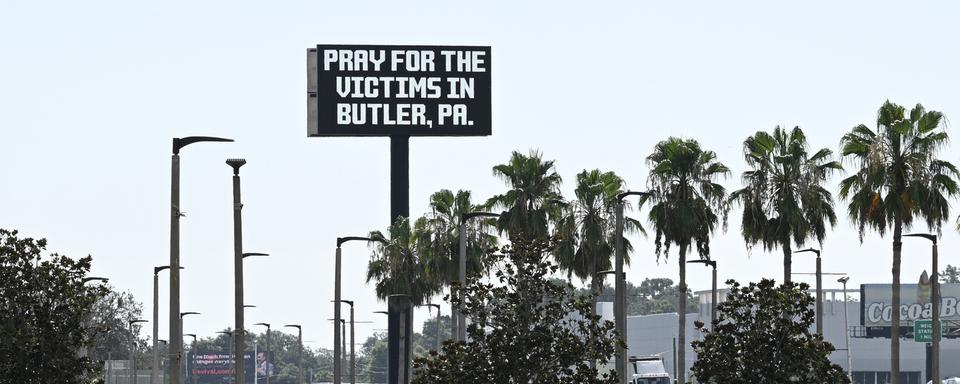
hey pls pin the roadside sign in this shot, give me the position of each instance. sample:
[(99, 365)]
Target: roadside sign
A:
[(923, 331)]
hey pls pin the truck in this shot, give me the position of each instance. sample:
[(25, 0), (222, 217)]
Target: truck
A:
[(649, 370)]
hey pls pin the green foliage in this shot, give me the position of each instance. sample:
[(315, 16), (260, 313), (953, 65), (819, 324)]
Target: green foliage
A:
[(587, 229), (400, 264), (762, 335), (44, 309), (525, 329), (783, 196), (898, 176), (110, 315), (653, 296), (950, 275), (533, 199)]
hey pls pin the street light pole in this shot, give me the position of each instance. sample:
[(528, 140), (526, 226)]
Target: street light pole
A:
[(229, 335), (337, 367), (819, 289), (935, 306), (713, 289), (133, 348), (237, 272), (620, 287), (267, 354), (193, 378), (176, 340), (185, 365), (461, 330), (156, 320), (846, 327), (299, 351), (353, 361), (437, 306)]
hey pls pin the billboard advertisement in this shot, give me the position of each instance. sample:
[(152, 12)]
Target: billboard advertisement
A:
[(217, 367), (387, 90), (876, 309)]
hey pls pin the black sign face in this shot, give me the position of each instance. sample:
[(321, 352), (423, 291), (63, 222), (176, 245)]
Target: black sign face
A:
[(386, 90)]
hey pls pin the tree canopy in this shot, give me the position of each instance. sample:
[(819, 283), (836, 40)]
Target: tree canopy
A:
[(762, 336)]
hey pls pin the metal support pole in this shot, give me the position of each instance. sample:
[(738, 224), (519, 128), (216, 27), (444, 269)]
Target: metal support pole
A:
[(935, 301), (713, 298), (353, 356), (620, 301), (399, 340), (176, 342), (846, 330), (819, 297), (156, 317), (238, 332), (462, 278), (337, 369), (132, 369)]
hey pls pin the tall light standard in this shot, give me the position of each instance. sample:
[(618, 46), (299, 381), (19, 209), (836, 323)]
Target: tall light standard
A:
[(229, 335), (267, 354), (713, 288), (437, 306), (193, 378), (353, 360), (620, 289), (187, 364), (133, 349), (935, 306), (176, 340), (337, 368), (461, 328), (819, 289), (846, 327), (238, 344), (84, 351), (299, 350), (154, 370)]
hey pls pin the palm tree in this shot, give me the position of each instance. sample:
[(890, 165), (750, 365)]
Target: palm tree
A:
[(783, 197), (443, 237), (587, 228), (399, 263), (899, 178), (533, 198), (688, 205)]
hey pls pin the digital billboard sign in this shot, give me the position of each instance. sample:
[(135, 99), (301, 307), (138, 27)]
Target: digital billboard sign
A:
[(406, 90)]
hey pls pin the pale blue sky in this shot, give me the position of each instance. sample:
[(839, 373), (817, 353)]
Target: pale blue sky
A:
[(92, 92)]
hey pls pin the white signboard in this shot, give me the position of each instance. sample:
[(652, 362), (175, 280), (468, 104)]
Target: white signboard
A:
[(876, 309)]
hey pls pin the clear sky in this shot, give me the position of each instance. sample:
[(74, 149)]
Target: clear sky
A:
[(92, 92)]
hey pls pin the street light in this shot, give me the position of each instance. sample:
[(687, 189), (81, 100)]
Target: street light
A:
[(229, 335), (353, 361), (935, 306), (99, 279), (337, 368), (182, 315), (133, 347), (176, 340), (713, 289), (237, 273), (154, 370), (461, 328), (819, 289), (267, 355), (193, 378), (299, 351), (620, 288), (437, 306), (846, 327)]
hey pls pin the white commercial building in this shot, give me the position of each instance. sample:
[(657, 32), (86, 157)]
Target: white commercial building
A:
[(870, 348)]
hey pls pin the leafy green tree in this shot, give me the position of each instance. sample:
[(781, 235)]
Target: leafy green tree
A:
[(783, 197), (651, 297), (44, 308), (399, 263), (688, 205), (533, 199), (525, 329), (110, 315), (587, 228), (762, 336), (898, 179), (442, 237), (950, 275), (376, 351)]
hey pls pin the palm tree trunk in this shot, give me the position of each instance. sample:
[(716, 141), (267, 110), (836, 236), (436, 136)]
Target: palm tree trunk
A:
[(787, 261), (682, 315), (895, 302)]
